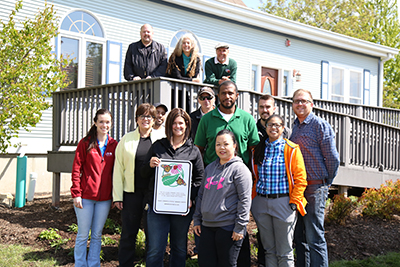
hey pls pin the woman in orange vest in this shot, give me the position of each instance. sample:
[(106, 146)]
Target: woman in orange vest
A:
[(278, 192)]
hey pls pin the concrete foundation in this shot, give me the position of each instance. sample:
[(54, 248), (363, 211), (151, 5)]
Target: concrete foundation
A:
[(36, 163)]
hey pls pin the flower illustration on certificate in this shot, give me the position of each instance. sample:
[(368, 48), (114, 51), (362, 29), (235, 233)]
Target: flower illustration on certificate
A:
[(173, 175)]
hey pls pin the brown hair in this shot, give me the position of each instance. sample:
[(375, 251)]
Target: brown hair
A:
[(91, 136), (267, 97), (177, 112), (298, 91), (145, 108)]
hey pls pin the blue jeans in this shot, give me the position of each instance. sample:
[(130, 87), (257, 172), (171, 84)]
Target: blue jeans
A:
[(158, 227), (91, 217), (309, 237)]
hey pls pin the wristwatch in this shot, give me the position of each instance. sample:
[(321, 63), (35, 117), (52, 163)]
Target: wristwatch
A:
[(293, 206)]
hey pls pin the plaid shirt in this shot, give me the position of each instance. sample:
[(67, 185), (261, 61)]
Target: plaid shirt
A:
[(316, 139), (272, 172)]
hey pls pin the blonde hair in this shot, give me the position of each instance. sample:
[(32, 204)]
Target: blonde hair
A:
[(191, 68)]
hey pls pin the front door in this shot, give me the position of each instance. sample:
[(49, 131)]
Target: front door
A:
[(269, 81)]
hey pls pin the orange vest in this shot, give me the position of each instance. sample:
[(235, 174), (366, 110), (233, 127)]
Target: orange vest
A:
[(296, 173)]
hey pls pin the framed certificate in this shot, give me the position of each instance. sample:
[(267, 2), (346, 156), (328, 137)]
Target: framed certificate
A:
[(172, 187)]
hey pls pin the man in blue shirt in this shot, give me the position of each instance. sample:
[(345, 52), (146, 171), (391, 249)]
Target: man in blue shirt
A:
[(317, 143)]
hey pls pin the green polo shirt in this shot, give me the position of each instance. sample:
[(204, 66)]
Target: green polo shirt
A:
[(242, 125), (214, 72)]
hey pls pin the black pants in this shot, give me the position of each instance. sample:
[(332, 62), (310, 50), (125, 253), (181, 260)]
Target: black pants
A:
[(131, 216), (261, 250), (244, 259), (217, 249)]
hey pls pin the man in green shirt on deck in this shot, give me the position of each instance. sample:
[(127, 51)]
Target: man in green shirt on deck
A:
[(220, 68)]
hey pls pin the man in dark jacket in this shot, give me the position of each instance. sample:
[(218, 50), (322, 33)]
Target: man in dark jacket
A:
[(206, 99), (145, 58), (266, 107)]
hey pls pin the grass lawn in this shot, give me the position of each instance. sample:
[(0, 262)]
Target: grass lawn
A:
[(389, 260), (21, 256)]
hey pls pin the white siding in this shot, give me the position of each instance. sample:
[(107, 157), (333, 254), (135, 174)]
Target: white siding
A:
[(121, 21)]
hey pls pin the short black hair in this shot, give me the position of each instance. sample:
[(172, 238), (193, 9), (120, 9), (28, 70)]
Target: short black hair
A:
[(226, 83)]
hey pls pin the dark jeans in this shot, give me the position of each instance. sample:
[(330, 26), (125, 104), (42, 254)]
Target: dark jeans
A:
[(309, 234), (131, 216), (217, 249), (159, 225)]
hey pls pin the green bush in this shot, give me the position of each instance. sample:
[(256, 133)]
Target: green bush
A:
[(50, 234), (382, 202), (73, 228), (341, 209)]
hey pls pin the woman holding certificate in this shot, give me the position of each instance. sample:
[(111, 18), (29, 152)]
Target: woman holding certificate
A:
[(223, 205), (177, 146)]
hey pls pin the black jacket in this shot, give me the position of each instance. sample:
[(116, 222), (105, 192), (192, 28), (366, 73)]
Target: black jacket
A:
[(136, 64), (195, 117), (178, 69), (162, 149)]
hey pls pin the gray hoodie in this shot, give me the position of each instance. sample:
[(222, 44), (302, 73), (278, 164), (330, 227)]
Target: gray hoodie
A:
[(225, 196)]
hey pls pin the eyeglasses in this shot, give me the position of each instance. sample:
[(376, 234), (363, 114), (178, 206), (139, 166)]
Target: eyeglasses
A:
[(146, 117), (202, 98), (301, 101), (274, 125)]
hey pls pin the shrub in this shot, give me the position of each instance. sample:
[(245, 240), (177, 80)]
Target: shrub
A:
[(50, 234), (105, 241), (73, 228), (341, 209), (382, 202)]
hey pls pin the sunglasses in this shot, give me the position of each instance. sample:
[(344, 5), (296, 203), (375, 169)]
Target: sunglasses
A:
[(202, 98)]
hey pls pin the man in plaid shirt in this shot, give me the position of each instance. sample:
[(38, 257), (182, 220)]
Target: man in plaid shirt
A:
[(316, 139)]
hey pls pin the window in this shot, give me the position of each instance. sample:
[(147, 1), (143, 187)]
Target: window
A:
[(82, 39), (175, 40), (342, 83)]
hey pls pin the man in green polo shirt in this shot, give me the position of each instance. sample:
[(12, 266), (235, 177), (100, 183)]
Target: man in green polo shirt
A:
[(220, 68), (227, 116)]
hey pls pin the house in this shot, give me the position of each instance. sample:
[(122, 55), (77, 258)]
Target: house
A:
[(274, 55)]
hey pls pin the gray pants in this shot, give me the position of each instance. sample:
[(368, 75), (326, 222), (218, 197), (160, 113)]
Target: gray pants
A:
[(275, 221)]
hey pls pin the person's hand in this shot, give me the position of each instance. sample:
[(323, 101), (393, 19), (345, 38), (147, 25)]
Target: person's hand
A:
[(136, 78), (223, 79), (190, 205), (197, 230), (236, 236), (118, 204), (196, 80), (148, 77), (78, 202), (154, 162)]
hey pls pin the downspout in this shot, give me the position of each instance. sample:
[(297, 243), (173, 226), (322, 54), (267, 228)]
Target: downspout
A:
[(380, 78)]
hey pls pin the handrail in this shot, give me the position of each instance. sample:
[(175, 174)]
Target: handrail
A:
[(360, 142)]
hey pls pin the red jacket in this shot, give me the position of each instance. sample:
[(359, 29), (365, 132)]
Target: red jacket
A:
[(92, 173)]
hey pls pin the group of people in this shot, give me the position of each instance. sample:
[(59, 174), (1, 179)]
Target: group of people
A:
[(280, 175), (147, 58)]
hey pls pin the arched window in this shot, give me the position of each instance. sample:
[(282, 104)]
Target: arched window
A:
[(176, 38), (82, 39)]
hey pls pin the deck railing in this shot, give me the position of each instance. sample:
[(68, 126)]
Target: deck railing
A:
[(360, 142), (389, 116)]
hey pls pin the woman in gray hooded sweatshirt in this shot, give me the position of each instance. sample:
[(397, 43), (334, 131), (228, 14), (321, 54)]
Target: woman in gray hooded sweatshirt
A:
[(223, 205)]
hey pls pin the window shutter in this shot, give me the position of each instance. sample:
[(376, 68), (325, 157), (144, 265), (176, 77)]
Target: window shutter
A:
[(114, 62), (367, 82), (325, 80), (205, 58)]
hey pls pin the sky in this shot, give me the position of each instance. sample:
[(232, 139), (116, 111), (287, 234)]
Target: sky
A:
[(255, 3)]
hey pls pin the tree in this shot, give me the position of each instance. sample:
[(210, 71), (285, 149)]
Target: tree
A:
[(29, 72), (374, 21)]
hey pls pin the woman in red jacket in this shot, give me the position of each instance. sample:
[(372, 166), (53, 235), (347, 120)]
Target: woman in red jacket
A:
[(92, 186)]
